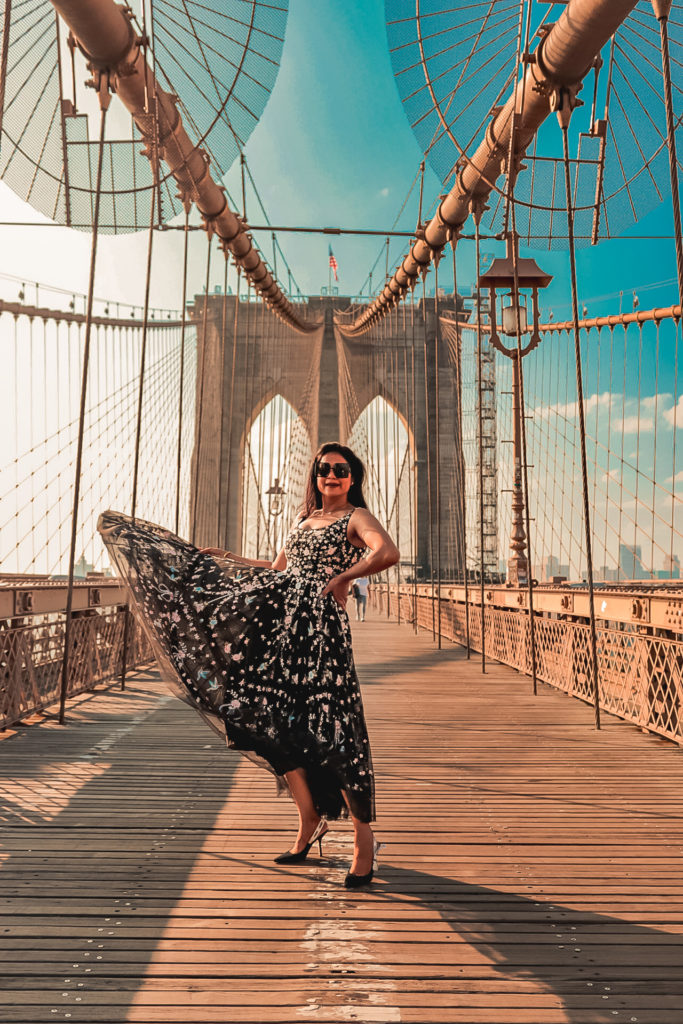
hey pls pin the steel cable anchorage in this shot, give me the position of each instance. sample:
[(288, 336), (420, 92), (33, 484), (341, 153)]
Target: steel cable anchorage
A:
[(104, 33), (562, 59)]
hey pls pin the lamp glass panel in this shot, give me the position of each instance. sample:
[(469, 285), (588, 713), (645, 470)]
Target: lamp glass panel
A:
[(509, 320)]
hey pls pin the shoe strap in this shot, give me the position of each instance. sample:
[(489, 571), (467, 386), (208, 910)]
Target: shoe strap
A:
[(319, 831)]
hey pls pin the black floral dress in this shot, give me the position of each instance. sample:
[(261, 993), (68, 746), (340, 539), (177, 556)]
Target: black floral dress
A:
[(261, 654)]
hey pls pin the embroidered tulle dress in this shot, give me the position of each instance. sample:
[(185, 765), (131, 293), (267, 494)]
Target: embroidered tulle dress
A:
[(261, 654)]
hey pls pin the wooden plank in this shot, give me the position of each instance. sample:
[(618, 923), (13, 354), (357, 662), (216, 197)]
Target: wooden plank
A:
[(531, 872)]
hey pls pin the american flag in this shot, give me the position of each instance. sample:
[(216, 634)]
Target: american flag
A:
[(333, 264)]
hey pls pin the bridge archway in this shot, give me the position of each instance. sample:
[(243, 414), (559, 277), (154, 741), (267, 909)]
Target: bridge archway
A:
[(277, 451), (384, 440)]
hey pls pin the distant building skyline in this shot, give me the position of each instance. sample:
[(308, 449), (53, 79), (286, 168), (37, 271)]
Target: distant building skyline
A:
[(631, 567)]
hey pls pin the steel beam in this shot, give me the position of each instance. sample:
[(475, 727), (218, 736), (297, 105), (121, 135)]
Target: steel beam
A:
[(561, 61), (104, 33)]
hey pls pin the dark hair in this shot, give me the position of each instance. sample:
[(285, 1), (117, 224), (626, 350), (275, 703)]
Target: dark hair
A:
[(313, 498)]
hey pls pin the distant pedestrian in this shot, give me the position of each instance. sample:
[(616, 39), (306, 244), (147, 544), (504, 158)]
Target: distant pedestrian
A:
[(360, 593)]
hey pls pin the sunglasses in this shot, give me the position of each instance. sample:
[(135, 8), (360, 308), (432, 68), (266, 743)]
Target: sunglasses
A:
[(339, 469)]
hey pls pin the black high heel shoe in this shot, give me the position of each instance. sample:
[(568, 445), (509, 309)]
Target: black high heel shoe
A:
[(357, 881), (320, 832)]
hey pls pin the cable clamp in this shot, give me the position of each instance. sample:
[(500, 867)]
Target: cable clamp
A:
[(209, 220), (564, 101)]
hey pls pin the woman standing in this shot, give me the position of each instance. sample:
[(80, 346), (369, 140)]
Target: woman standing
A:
[(263, 650)]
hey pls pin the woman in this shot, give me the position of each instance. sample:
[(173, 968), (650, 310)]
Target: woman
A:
[(263, 649)]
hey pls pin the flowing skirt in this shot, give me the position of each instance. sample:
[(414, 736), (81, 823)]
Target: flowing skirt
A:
[(260, 654)]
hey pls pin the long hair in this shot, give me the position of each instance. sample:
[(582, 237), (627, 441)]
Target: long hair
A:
[(313, 498)]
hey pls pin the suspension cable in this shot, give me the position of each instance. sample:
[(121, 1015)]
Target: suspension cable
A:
[(199, 415), (564, 116), (414, 481), (183, 328), (429, 451), (231, 407), (104, 99), (480, 439), (460, 455), (663, 19), (518, 368), (154, 157), (437, 471), (221, 384)]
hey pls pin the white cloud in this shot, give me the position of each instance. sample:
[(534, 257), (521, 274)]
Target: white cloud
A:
[(674, 415), (571, 409), (623, 415), (656, 401), (633, 424), (384, 192)]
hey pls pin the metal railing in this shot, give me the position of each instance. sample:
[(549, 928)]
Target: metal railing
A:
[(640, 662), (32, 622)]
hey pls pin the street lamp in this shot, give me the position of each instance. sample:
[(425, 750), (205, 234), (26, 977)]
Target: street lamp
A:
[(510, 274), (276, 504), (276, 495)]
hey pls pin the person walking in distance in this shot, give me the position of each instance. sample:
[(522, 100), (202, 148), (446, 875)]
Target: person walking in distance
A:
[(361, 597)]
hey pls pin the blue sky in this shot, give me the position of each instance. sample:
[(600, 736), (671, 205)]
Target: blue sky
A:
[(333, 147)]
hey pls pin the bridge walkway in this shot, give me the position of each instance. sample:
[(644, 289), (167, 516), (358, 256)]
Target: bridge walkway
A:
[(531, 872)]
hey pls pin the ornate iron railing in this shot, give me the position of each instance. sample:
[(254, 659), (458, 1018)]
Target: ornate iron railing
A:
[(32, 643), (640, 662)]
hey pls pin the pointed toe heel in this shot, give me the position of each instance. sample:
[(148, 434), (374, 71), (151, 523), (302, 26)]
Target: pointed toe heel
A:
[(358, 881), (319, 834), (353, 881)]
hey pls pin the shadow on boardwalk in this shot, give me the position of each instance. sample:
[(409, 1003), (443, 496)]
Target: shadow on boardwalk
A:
[(137, 870), (599, 968)]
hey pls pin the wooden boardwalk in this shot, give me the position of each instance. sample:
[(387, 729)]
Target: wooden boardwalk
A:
[(532, 871)]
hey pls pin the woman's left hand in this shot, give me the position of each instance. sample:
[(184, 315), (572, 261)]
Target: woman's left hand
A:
[(339, 588)]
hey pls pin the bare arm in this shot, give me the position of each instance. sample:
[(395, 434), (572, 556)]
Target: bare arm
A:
[(364, 529), (262, 563)]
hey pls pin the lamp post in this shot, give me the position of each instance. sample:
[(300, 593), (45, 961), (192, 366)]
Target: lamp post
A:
[(510, 274), (276, 504)]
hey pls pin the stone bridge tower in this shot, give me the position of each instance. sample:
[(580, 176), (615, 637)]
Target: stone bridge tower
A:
[(246, 357)]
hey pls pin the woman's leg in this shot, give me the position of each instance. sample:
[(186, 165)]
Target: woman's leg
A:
[(363, 843), (308, 816)]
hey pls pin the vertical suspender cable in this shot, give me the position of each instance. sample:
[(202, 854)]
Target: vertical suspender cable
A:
[(143, 350), (246, 458), (437, 471), (662, 8), (199, 415), (564, 115), (221, 379), (414, 481), (480, 439), (232, 399), (143, 354), (409, 443), (518, 367), (383, 446), (397, 467), (460, 455), (183, 329), (429, 454), (261, 424), (105, 98)]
